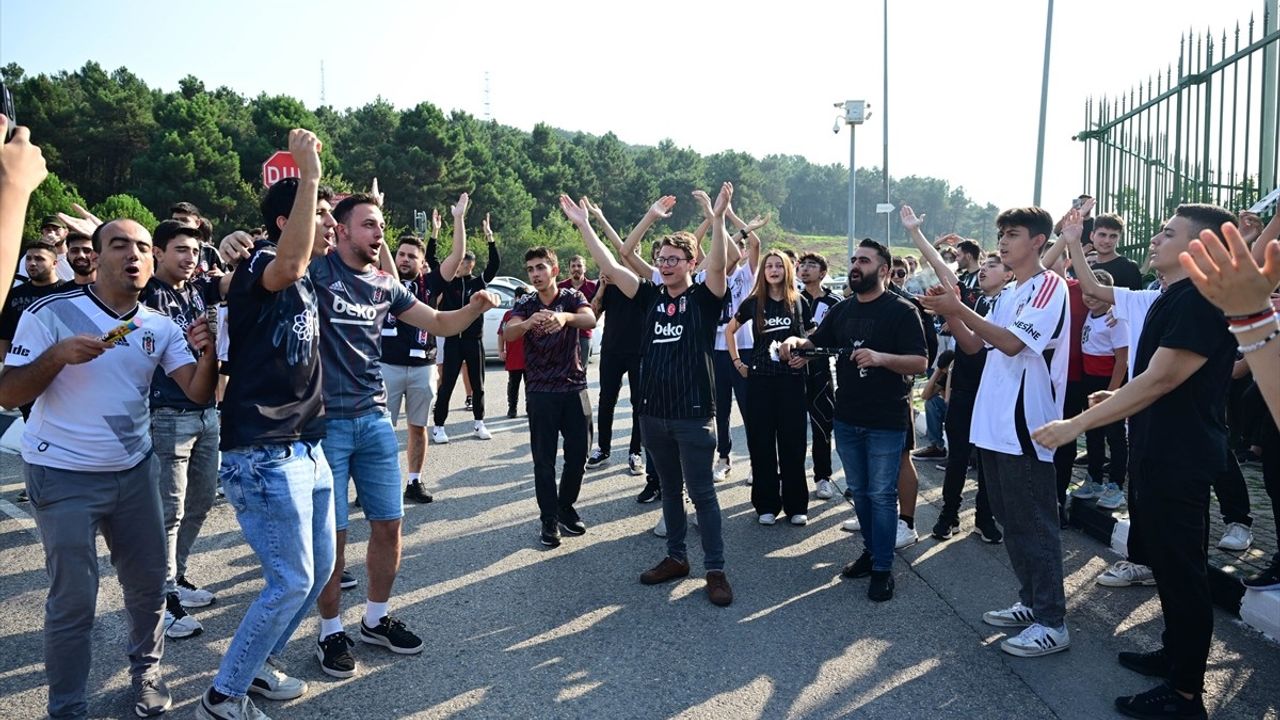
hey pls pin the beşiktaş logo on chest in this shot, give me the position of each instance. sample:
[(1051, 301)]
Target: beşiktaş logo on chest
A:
[(777, 324)]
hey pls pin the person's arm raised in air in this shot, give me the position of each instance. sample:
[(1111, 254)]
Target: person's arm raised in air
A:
[(622, 277), (629, 253), (293, 252), (753, 240), (1232, 280), (433, 243), (716, 280), (491, 267), (912, 223), (1072, 228), (449, 268), (1055, 251), (22, 169)]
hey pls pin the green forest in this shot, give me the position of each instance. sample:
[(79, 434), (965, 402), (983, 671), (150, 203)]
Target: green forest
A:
[(124, 149)]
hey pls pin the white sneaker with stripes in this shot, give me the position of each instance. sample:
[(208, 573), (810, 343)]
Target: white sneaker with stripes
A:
[(1037, 640), (1017, 616)]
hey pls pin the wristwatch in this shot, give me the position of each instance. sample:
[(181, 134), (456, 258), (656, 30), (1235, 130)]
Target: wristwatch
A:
[(743, 232)]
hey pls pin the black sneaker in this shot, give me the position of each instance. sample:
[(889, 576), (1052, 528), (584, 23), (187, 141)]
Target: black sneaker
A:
[(416, 493), (1064, 522), (859, 568), (988, 531), (348, 581), (881, 588), (1268, 579), (511, 413), (1162, 702), (550, 534), (334, 654), (1152, 664), (469, 403), (392, 634), (598, 457), (571, 524), (23, 496), (652, 491), (946, 527)]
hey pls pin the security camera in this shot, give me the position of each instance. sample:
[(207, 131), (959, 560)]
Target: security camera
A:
[(836, 127)]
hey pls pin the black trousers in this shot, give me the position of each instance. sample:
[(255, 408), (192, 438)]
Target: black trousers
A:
[(553, 415), (1113, 436), (820, 398), (1269, 439), (613, 365), (514, 377), (1233, 494), (776, 441), (729, 383), (1074, 402), (957, 423), (458, 350), (1172, 513)]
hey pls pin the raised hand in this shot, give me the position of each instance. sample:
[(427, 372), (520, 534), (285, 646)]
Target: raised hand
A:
[(1073, 225), (703, 201), (22, 165), (757, 222), (577, 213), (1250, 226), (235, 247), (949, 239), (723, 199), (910, 220), (436, 224), (484, 225), (1228, 276), (661, 208), (595, 210), (304, 146), (85, 222), (459, 208), (376, 193)]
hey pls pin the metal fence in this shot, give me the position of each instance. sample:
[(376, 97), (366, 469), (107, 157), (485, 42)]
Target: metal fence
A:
[(1201, 131)]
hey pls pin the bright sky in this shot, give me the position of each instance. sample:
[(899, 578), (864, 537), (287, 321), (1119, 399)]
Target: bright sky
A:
[(754, 76)]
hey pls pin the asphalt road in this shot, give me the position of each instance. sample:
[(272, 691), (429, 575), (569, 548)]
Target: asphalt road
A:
[(517, 631)]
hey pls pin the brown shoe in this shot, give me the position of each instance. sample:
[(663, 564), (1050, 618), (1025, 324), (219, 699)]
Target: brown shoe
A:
[(932, 451), (718, 590), (668, 569)]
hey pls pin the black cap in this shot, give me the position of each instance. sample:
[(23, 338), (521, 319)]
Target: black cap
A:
[(53, 220)]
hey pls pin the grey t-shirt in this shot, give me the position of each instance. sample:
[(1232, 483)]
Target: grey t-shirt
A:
[(353, 305)]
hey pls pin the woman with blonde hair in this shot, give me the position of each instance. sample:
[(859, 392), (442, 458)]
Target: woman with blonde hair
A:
[(776, 411)]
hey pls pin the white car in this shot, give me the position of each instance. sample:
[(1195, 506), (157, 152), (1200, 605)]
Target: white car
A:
[(506, 287)]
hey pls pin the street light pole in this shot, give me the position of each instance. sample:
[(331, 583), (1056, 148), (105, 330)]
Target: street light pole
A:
[(884, 121), (1044, 104), (855, 113)]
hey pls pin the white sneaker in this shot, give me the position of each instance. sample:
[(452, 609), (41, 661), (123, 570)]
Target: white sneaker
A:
[(272, 683), (183, 626), (1088, 490), (825, 490), (1017, 616), (1124, 574), (1237, 537), (481, 431), (635, 464), (240, 708), (907, 536), (661, 528), (193, 597), (799, 519), (438, 435), (748, 477), (1112, 497), (851, 525), (720, 472), (768, 519), (1037, 640)]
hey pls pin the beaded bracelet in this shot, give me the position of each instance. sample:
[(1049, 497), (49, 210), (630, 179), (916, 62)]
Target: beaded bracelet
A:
[(1238, 319), (1246, 349), (1266, 320)]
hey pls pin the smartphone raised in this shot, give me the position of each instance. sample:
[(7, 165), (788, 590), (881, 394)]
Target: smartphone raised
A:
[(6, 108)]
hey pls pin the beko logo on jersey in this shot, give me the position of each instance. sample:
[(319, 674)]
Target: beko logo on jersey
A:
[(1027, 328), (667, 332), (774, 324), (364, 312)]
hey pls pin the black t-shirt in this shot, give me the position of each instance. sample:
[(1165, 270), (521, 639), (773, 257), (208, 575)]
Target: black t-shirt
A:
[(966, 369), (274, 392), (553, 361), (1187, 427), (1124, 271), (455, 294), (818, 308), (19, 298), (626, 322), (969, 290), (404, 344), (926, 322), (184, 307), (872, 397), (676, 372), (779, 324)]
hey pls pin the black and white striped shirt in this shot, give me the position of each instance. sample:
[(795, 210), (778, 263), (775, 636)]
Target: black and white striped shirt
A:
[(676, 380)]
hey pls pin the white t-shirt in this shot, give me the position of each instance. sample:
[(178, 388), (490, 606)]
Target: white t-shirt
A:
[(223, 338), (1037, 312), (94, 417), (1131, 307), (738, 286)]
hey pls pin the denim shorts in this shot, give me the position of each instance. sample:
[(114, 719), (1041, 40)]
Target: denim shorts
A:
[(364, 450)]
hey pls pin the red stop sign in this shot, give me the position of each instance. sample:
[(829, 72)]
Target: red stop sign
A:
[(278, 167)]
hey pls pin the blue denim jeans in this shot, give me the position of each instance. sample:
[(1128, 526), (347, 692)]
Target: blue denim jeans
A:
[(186, 449), (935, 415), (871, 458), (283, 498), (364, 450)]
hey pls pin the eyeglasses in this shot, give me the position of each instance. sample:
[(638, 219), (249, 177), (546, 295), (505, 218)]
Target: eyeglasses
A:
[(670, 260), (899, 273), (812, 265)]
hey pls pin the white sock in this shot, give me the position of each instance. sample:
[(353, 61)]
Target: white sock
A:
[(329, 626), (374, 612), (414, 477)]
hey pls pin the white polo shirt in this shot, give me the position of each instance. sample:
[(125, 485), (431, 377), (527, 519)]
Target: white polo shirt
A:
[(94, 416), (1037, 312), (1131, 307)]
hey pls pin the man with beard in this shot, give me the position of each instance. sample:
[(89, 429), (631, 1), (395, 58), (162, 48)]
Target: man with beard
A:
[(88, 457), (872, 418), (184, 433), (409, 364), (54, 230), (82, 258), (577, 280)]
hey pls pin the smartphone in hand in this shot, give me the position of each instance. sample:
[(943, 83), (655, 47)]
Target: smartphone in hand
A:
[(6, 108)]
